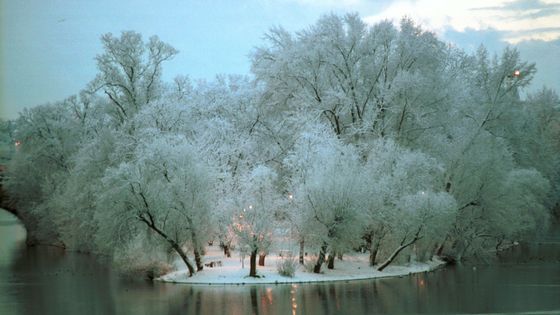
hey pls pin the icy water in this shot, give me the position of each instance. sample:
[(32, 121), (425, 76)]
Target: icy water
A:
[(47, 280)]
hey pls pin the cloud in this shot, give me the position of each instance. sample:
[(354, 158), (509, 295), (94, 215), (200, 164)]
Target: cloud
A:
[(517, 21), (471, 39), (524, 5)]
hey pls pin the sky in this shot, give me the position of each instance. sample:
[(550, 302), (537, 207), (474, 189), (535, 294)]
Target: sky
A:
[(48, 47)]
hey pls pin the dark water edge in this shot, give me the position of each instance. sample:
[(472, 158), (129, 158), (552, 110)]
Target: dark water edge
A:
[(48, 280)]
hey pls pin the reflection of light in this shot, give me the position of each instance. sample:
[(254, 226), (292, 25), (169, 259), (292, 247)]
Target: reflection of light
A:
[(269, 295), (293, 293), (421, 283)]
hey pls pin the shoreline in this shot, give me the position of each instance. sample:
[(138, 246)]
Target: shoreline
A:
[(353, 268)]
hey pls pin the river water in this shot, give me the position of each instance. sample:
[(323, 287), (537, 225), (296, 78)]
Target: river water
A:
[(48, 280)]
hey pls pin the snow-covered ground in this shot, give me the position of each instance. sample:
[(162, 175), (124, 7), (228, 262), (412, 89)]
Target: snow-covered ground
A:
[(353, 267)]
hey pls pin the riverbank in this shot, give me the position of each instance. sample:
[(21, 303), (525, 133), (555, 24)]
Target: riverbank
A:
[(234, 272)]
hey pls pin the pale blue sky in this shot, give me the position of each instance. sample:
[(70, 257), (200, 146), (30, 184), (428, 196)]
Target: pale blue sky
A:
[(48, 46)]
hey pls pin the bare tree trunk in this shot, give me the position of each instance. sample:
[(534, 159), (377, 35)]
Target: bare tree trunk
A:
[(393, 256), (301, 250), (439, 250), (321, 258), (330, 261), (151, 224), (183, 256), (227, 251), (499, 243), (261, 259), (373, 252), (226, 248), (399, 249), (253, 264), (198, 259), (197, 252)]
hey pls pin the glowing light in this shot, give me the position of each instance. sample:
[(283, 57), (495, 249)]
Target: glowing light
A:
[(517, 73), (250, 207), (294, 303), (17, 143), (290, 196)]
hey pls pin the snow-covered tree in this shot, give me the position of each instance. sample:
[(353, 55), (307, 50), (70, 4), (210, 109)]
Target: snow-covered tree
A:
[(326, 182), (356, 78), (533, 132), (165, 190), (257, 201), (7, 142), (46, 137), (405, 201), (130, 72), (332, 193), (420, 215)]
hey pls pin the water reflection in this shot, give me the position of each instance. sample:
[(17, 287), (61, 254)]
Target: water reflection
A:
[(46, 280), (293, 294)]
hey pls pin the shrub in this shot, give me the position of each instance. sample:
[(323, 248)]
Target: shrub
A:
[(287, 266)]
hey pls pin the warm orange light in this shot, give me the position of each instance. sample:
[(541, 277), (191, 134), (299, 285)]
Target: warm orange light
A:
[(516, 73)]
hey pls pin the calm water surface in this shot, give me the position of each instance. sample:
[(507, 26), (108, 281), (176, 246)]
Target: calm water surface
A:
[(47, 280)]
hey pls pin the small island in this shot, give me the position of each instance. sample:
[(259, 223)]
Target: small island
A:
[(231, 271)]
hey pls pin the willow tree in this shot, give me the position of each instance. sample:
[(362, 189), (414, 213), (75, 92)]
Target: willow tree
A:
[(164, 188)]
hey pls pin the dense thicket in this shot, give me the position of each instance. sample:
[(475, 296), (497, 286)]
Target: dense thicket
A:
[(345, 136)]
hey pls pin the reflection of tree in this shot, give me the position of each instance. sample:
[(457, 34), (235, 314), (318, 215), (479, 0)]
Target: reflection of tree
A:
[(324, 299), (198, 306), (254, 301)]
